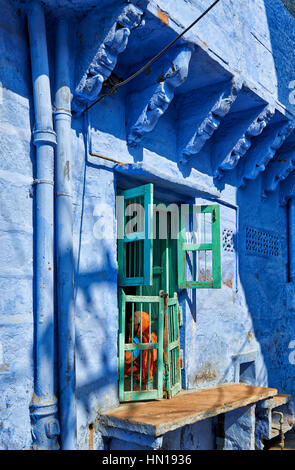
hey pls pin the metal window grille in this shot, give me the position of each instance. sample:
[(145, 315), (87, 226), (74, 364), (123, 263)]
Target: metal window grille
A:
[(172, 352), (141, 347)]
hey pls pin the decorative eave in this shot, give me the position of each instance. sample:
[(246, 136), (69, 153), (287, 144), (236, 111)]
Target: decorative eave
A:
[(287, 189), (264, 150), (207, 117), (105, 59), (218, 112), (280, 166), (146, 106), (244, 143)]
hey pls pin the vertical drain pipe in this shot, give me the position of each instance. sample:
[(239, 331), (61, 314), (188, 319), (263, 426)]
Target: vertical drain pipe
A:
[(291, 231), (64, 241), (45, 426)]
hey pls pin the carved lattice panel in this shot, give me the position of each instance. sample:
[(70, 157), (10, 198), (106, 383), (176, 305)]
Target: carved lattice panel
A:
[(227, 240)]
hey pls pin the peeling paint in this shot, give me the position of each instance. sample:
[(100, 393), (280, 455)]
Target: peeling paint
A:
[(163, 16)]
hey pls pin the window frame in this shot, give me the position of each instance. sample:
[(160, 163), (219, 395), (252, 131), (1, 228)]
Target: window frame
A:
[(139, 395), (146, 191), (183, 247), (164, 348)]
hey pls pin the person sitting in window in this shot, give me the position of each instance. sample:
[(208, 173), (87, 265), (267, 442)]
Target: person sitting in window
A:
[(141, 330)]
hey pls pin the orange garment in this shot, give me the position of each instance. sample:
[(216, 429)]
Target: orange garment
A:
[(145, 353)]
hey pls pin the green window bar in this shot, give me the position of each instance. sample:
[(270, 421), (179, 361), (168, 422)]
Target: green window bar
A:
[(172, 353), (199, 257), (135, 241), (141, 347)]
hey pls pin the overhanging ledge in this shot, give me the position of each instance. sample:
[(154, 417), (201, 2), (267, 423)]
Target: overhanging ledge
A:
[(142, 171), (188, 407)]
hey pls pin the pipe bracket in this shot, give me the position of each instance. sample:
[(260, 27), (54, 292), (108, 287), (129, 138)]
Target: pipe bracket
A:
[(45, 425), (61, 114), (64, 194), (40, 181), (44, 136), (63, 111)]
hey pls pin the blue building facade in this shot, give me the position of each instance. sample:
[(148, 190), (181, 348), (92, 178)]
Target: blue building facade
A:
[(210, 122)]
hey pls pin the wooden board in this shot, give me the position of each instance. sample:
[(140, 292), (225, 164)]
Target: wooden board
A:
[(158, 417)]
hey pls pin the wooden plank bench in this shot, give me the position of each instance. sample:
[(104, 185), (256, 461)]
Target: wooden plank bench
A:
[(156, 418)]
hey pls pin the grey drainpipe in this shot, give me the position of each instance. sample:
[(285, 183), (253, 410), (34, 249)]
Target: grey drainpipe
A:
[(64, 241), (45, 426)]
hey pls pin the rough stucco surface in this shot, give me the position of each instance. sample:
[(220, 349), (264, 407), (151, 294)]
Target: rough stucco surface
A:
[(239, 427), (16, 234), (198, 436), (95, 294), (254, 310)]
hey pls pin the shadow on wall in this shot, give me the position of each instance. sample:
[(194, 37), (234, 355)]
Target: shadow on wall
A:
[(281, 26), (263, 257), (264, 277), (96, 312), (96, 352)]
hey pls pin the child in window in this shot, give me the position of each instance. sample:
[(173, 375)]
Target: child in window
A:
[(141, 334)]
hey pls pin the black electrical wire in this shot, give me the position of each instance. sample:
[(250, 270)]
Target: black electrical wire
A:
[(150, 62)]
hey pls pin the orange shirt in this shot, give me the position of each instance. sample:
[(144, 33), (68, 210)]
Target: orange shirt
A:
[(148, 356)]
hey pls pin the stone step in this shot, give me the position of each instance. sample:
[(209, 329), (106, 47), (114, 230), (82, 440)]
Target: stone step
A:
[(277, 401), (280, 399)]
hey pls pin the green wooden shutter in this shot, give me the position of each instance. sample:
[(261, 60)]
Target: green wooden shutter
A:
[(172, 352), (132, 386), (198, 250), (135, 249)]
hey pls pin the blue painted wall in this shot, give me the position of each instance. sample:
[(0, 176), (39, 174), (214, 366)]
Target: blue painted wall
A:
[(253, 311), (16, 232)]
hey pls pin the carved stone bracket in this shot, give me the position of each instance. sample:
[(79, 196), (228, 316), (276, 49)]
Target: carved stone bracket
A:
[(278, 169), (152, 103), (210, 123), (105, 60), (245, 142), (264, 152), (287, 189)]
